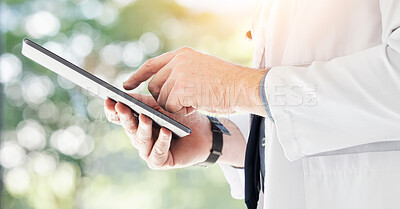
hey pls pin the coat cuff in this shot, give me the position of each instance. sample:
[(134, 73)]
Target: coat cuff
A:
[(271, 88), (263, 96), (235, 176)]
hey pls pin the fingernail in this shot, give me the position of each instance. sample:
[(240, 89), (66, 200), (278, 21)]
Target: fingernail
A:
[(143, 119), (164, 132), (125, 86)]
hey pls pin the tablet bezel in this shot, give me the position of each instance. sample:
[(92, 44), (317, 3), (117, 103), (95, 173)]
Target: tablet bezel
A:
[(112, 92)]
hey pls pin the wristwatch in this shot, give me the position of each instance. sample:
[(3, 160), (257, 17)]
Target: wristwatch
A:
[(218, 130)]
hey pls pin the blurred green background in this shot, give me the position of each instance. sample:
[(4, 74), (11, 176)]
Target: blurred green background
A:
[(57, 149)]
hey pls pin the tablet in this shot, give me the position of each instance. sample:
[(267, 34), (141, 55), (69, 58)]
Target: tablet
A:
[(97, 86)]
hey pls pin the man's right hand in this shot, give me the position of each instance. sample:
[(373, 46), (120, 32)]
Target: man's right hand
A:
[(156, 146)]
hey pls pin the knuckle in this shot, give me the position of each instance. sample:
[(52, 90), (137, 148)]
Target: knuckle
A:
[(153, 88), (158, 151), (141, 141), (130, 131), (141, 134), (149, 63), (127, 127), (180, 57), (186, 49), (179, 72)]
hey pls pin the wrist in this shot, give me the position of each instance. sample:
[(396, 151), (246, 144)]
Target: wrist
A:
[(207, 139), (233, 151), (230, 150), (247, 91)]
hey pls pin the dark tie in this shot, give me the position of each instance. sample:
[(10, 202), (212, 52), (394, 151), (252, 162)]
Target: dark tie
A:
[(252, 164)]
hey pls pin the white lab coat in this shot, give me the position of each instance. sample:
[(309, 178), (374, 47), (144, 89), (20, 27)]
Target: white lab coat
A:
[(333, 92)]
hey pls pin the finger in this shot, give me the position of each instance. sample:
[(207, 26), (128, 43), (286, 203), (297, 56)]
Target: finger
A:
[(127, 119), (165, 92), (149, 68), (159, 154), (180, 103), (159, 80), (185, 111), (143, 138), (147, 99), (109, 110)]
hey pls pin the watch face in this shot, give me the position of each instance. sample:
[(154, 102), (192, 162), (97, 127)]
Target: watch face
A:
[(217, 126), (214, 120)]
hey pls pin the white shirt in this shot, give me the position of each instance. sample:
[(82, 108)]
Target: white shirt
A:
[(333, 92)]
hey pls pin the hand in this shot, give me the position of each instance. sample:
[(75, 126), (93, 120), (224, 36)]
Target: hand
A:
[(155, 145), (185, 80)]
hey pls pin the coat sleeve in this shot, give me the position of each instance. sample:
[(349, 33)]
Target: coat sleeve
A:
[(235, 176), (340, 103)]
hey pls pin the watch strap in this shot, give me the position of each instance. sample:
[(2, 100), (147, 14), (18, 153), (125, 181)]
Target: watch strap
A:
[(217, 131)]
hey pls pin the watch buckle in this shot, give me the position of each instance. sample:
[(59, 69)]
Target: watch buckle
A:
[(216, 152)]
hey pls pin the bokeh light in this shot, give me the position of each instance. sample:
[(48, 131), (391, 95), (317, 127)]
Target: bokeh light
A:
[(72, 141), (111, 54), (81, 45), (91, 8), (43, 164), (42, 23), (62, 182), (17, 180), (10, 67), (108, 15), (36, 88), (31, 135), (133, 54), (151, 43), (11, 155)]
